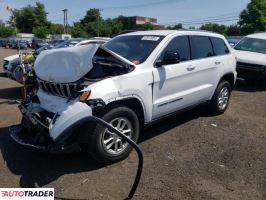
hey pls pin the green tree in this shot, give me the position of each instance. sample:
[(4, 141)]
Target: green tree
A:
[(222, 29), (92, 22), (124, 21), (114, 25), (6, 31), (56, 28), (147, 26), (40, 31), (253, 18), (233, 30), (30, 16), (175, 27), (94, 25), (77, 30)]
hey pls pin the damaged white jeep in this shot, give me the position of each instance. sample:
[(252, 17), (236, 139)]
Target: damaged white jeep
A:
[(131, 81)]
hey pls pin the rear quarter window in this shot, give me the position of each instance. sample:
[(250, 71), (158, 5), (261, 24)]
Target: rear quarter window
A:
[(219, 46)]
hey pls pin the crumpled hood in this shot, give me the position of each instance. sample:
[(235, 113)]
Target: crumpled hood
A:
[(250, 57), (68, 65), (65, 65)]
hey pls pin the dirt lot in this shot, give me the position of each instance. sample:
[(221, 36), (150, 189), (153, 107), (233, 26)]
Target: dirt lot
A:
[(189, 156)]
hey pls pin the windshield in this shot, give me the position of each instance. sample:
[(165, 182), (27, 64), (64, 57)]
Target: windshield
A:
[(252, 44), (135, 48)]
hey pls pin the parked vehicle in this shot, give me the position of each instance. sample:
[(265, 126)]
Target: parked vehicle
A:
[(38, 43), (56, 42), (2, 41), (46, 47), (251, 57), (233, 42), (20, 44), (131, 81), (29, 44), (69, 43), (10, 63), (9, 43)]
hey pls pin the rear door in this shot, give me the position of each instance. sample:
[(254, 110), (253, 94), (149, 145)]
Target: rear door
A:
[(208, 66), (177, 86)]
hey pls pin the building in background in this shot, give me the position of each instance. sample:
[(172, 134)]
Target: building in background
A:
[(138, 23), (25, 36)]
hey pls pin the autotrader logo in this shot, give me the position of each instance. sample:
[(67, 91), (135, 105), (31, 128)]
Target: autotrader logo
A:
[(27, 193)]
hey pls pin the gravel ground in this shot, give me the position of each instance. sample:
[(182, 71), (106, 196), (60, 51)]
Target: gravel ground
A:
[(188, 156)]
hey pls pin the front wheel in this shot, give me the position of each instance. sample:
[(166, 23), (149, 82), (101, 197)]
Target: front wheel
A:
[(220, 99), (107, 147)]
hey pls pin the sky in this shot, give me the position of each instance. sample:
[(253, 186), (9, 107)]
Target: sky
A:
[(168, 12)]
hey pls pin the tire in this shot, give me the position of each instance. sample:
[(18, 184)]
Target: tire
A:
[(96, 147), (222, 93)]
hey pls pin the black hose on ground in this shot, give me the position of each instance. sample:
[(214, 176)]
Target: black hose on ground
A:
[(134, 145)]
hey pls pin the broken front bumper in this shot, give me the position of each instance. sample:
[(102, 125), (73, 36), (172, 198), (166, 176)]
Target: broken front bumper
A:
[(52, 132)]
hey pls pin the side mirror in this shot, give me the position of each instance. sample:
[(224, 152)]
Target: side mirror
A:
[(169, 57)]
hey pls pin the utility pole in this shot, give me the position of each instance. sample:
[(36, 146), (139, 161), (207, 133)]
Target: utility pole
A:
[(65, 21)]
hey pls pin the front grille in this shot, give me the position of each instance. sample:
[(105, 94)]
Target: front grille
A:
[(66, 90), (248, 65)]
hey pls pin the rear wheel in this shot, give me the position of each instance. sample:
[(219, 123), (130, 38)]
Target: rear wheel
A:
[(107, 147), (220, 99)]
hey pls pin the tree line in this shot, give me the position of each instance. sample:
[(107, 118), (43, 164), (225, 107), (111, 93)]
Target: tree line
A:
[(33, 19)]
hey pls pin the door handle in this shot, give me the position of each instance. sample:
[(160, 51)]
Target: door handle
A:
[(190, 68), (217, 62)]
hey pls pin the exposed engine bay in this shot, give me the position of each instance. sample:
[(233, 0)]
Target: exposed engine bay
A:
[(106, 65)]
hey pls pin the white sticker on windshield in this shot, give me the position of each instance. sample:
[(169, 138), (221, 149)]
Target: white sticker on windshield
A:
[(150, 38)]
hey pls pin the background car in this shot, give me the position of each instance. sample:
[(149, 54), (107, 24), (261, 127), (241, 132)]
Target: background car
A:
[(233, 41), (20, 44), (46, 47), (38, 43), (10, 63), (69, 43), (251, 57)]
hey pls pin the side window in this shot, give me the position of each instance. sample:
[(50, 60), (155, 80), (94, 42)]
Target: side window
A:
[(201, 47), (180, 45), (219, 46)]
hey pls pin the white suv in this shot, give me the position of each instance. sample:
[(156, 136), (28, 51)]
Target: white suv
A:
[(251, 57), (131, 81)]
